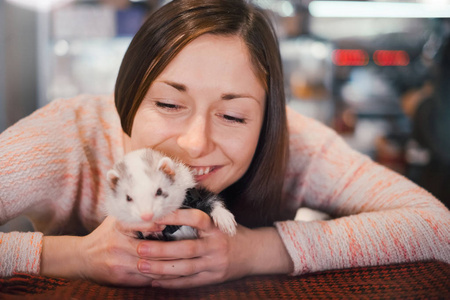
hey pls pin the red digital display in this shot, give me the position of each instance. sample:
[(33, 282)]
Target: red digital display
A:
[(350, 57), (391, 58), (359, 57)]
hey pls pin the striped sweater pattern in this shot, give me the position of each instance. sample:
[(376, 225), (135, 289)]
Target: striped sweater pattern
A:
[(53, 164)]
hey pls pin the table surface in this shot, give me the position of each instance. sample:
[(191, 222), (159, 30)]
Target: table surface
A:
[(419, 280)]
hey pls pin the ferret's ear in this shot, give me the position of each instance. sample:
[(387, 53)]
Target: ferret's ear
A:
[(113, 178), (167, 166)]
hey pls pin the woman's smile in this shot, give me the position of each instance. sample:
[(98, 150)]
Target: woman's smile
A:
[(202, 173)]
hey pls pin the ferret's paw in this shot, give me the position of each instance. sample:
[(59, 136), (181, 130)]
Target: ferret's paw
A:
[(150, 235), (184, 233), (224, 220)]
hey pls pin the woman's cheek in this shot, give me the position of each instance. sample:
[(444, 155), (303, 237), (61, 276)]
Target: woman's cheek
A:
[(150, 130)]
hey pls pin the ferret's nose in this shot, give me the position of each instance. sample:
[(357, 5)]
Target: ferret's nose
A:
[(147, 217)]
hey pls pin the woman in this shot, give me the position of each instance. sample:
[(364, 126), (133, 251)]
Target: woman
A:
[(202, 81)]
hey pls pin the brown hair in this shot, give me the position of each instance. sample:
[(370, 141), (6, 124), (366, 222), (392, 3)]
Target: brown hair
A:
[(256, 198)]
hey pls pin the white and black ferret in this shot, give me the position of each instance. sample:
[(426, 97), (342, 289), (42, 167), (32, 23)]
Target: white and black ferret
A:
[(147, 185)]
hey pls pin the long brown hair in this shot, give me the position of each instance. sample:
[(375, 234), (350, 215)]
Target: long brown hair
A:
[(256, 198)]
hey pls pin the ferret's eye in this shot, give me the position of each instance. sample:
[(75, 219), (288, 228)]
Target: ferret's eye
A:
[(129, 199), (159, 192)]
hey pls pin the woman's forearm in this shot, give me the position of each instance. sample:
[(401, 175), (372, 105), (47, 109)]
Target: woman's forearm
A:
[(61, 256), (270, 255)]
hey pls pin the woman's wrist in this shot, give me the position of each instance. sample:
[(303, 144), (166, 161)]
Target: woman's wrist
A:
[(60, 256), (270, 255)]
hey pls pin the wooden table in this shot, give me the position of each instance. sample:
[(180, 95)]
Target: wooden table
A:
[(420, 280)]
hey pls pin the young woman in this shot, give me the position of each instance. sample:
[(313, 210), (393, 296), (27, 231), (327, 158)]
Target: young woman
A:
[(202, 81)]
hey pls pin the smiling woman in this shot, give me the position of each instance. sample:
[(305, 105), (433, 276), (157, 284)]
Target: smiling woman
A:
[(231, 53), (202, 82)]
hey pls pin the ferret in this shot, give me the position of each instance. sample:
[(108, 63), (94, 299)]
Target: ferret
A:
[(146, 186)]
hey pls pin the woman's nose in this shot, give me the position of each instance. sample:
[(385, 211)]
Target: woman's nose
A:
[(195, 138)]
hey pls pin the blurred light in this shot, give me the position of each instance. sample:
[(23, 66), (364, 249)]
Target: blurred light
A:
[(350, 57), (283, 8), (319, 50), (39, 5), (391, 58), (264, 4), (286, 9), (435, 1), (61, 48), (369, 9)]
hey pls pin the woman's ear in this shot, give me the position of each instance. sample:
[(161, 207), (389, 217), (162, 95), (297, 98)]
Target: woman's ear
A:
[(167, 166)]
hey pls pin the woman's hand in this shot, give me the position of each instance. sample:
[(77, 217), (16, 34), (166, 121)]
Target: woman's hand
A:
[(108, 255), (212, 258)]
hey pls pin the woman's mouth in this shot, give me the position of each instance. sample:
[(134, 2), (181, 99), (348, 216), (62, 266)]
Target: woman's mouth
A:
[(201, 173)]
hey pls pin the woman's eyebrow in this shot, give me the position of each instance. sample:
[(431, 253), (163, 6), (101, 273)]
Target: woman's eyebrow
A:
[(178, 86), (231, 96)]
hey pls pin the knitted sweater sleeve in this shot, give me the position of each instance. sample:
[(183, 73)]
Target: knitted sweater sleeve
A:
[(27, 163), (378, 216), (48, 172)]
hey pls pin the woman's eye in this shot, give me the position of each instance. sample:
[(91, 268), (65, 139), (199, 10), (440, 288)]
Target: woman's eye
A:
[(232, 119), (168, 106)]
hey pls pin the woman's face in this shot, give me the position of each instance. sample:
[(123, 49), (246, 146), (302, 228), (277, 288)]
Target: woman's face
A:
[(206, 109)]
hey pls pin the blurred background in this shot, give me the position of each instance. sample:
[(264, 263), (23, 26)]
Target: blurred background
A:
[(378, 72)]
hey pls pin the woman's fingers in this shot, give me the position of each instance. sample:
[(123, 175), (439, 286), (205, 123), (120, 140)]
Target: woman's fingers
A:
[(187, 263), (183, 249), (175, 268), (143, 227), (160, 250), (189, 217)]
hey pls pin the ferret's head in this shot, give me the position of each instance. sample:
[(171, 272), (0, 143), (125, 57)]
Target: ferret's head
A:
[(146, 186)]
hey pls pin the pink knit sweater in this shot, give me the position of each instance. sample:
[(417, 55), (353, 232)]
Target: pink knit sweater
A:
[(53, 164)]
